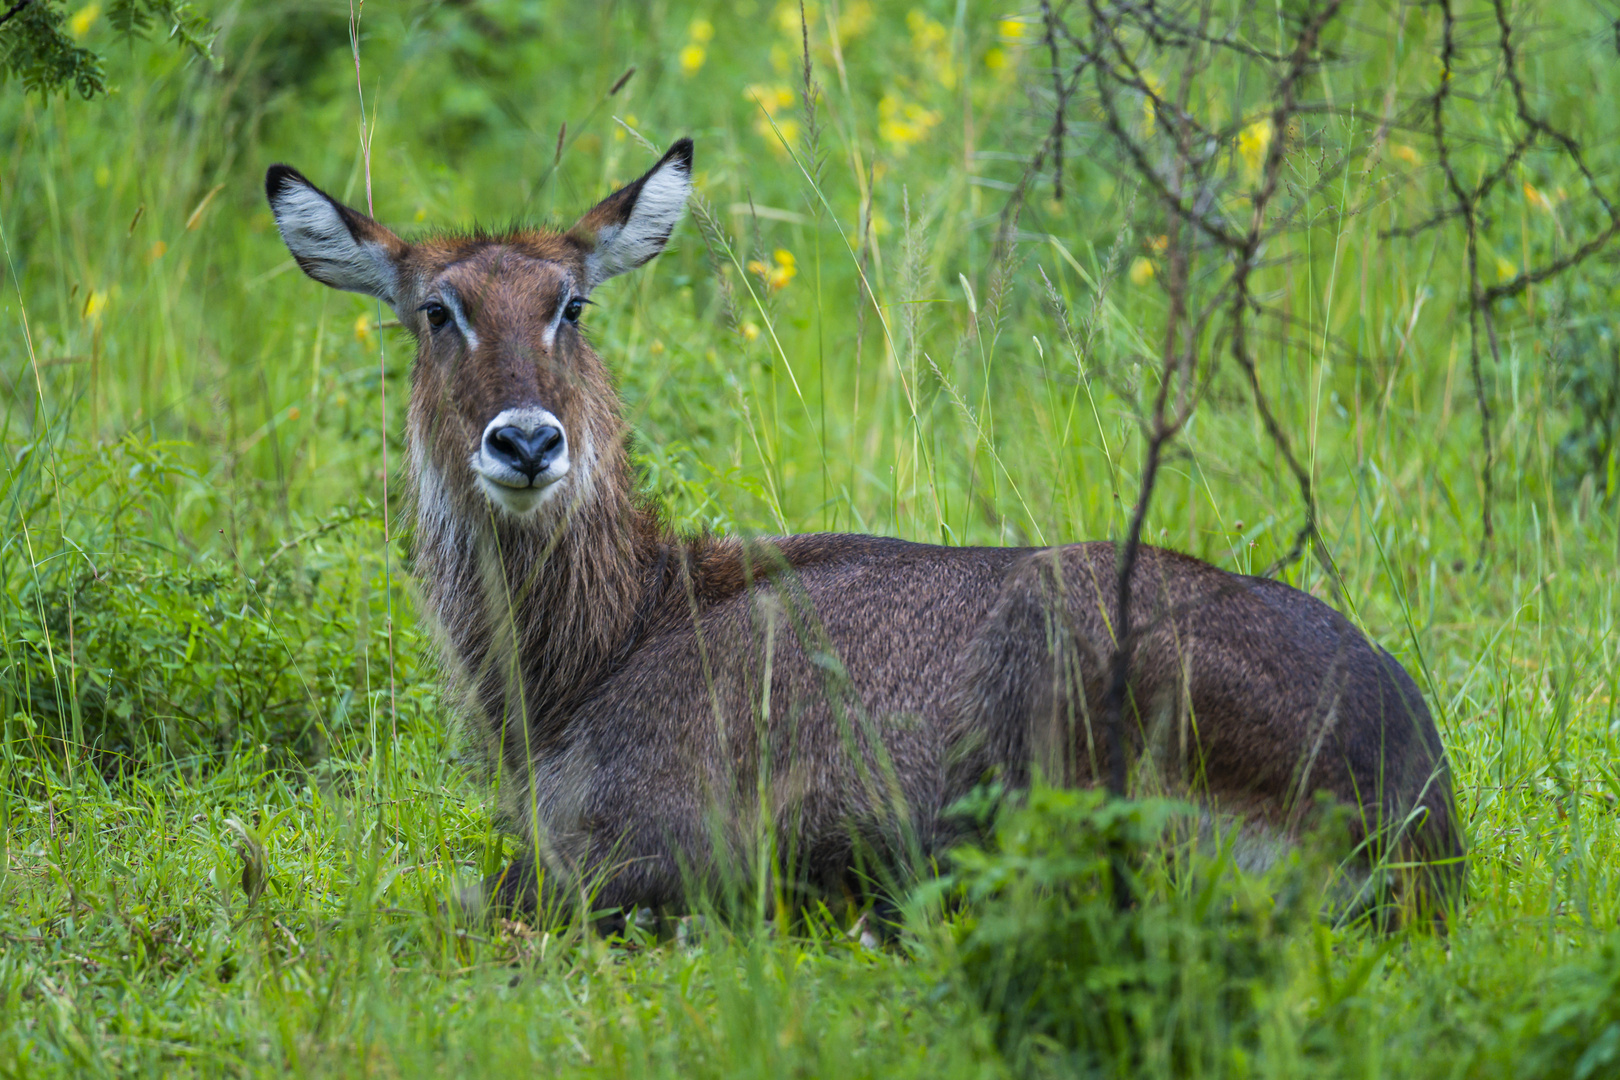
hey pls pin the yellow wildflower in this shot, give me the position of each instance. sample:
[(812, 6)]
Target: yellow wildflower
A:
[(777, 273), (786, 267), (790, 134), (94, 305), (996, 60), (1141, 271), (692, 58), (701, 31), (362, 330), (1150, 114), (930, 44), (773, 99), (1252, 143), (79, 25), (618, 130), (294, 413), (750, 331), (1536, 198), (901, 124), (1010, 28), (1504, 269), (1405, 153), (155, 252), (926, 33), (853, 20), (787, 17)]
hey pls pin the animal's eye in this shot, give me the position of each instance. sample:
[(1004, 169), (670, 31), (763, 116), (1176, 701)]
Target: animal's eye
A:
[(572, 309), (437, 314)]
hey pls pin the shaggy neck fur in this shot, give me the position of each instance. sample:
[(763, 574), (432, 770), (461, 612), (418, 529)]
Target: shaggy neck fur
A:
[(534, 612)]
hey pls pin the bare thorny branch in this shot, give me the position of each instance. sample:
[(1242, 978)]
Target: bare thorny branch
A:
[(1183, 170), (1184, 165), (1060, 96), (1465, 205)]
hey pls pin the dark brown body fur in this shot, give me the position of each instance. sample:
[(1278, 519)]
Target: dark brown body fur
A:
[(952, 664)]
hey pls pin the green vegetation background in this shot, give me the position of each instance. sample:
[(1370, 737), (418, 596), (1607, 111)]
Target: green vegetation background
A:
[(209, 649)]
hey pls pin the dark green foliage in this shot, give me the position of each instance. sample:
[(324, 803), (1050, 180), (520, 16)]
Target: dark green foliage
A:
[(291, 46), (140, 650), (493, 50), (1175, 983), (1589, 366), (1578, 1034), (37, 51)]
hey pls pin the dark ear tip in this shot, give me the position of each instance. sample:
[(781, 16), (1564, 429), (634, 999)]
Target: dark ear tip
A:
[(681, 152), (281, 177)]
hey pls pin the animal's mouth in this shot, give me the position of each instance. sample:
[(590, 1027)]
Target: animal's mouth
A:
[(521, 458), (514, 492)]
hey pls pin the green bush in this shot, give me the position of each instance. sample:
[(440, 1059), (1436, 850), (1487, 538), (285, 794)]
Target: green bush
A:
[(1577, 1031), (123, 646), (1175, 982), (1587, 362)]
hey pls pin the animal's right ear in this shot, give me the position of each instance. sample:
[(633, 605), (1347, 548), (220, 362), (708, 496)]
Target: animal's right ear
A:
[(333, 244)]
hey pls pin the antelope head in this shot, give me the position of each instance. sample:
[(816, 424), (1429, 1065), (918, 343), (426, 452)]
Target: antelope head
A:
[(510, 405)]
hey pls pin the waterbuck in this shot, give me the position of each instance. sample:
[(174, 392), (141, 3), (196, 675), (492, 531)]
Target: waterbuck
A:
[(660, 709)]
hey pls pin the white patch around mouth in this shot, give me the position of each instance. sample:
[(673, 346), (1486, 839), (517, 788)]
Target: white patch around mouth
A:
[(509, 489)]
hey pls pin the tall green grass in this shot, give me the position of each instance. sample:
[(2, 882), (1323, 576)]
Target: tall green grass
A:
[(197, 596)]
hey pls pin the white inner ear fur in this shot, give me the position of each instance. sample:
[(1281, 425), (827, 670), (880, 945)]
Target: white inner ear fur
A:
[(314, 232), (658, 207)]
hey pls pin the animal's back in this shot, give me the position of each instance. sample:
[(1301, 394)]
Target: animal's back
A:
[(1245, 693)]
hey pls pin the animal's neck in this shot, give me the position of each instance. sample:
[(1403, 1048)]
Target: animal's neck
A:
[(536, 614)]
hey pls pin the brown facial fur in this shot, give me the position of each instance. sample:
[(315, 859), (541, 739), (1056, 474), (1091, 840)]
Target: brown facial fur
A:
[(509, 291), (652, 705)]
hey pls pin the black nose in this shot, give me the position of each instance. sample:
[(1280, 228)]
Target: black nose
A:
[(529, 452)]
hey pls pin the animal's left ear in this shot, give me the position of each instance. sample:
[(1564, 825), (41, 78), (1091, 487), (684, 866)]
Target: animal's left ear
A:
[(633, 224)]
